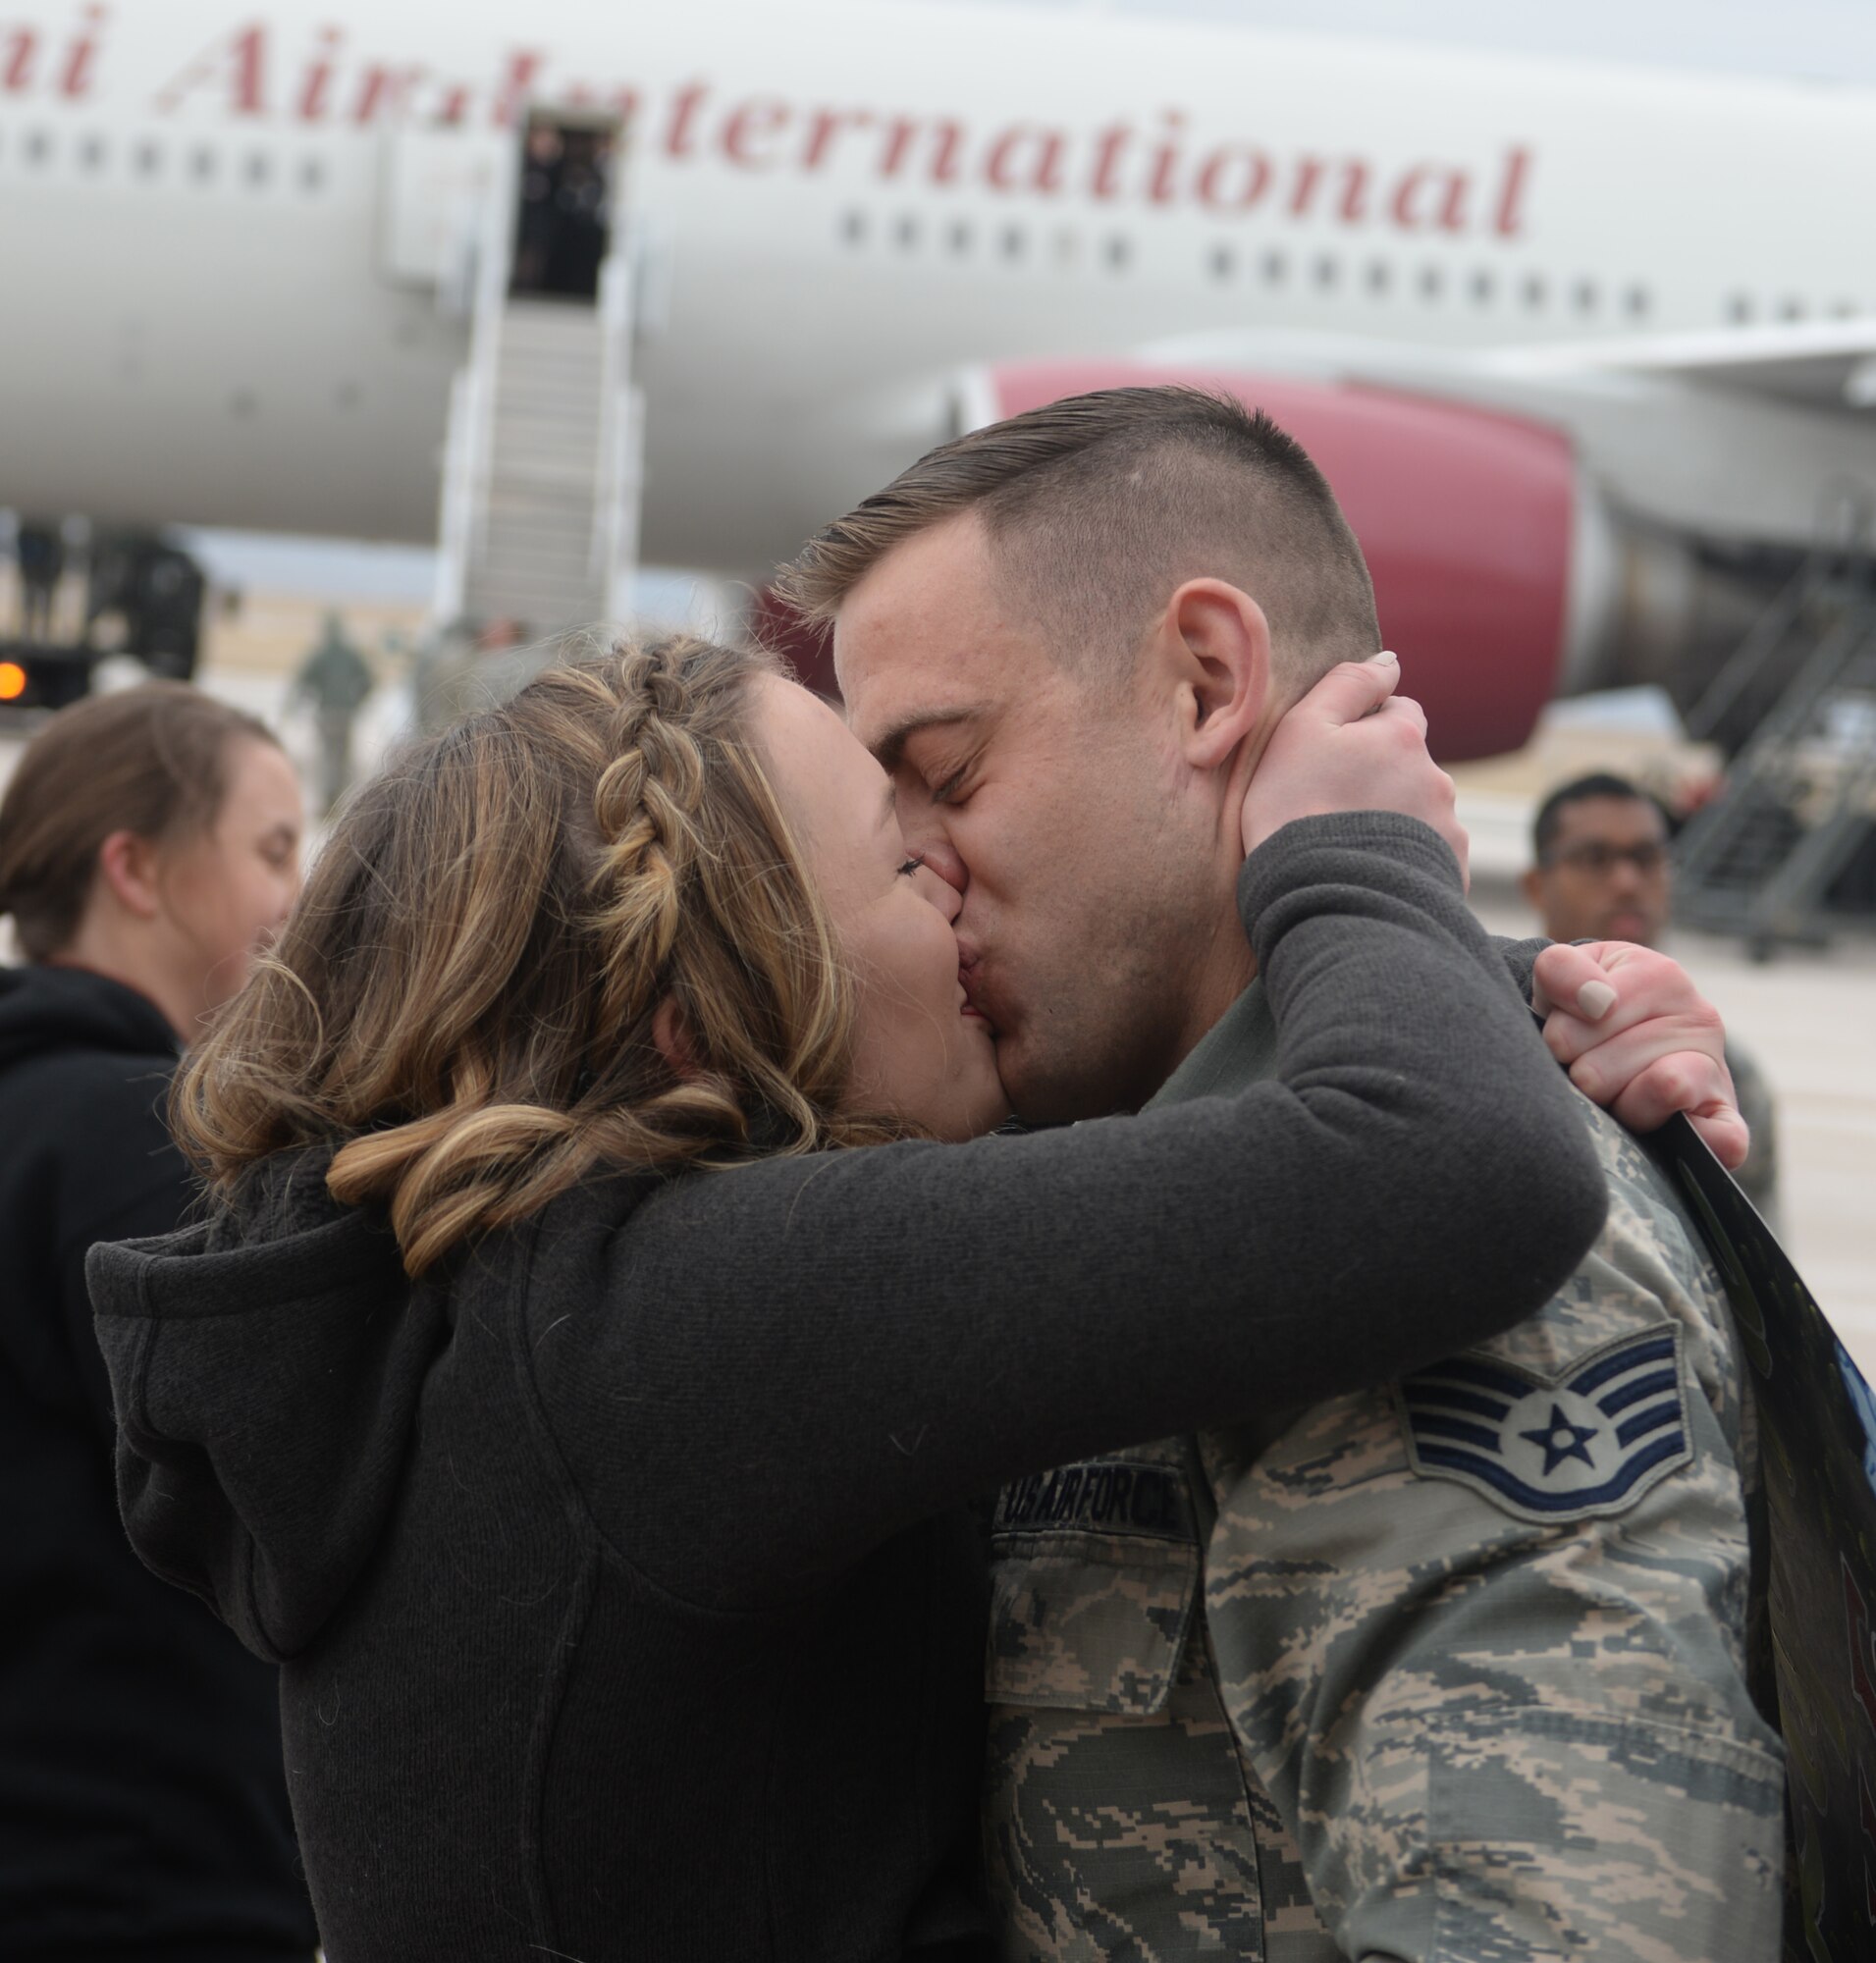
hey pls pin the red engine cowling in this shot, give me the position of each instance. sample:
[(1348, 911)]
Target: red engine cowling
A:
[(1467, 519)]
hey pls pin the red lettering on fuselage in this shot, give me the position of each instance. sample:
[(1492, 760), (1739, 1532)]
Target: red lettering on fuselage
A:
[(316, 84), (745, 128), (1233, 178), (1158, 161), (1311, 171), (75, 82), (238, 63), (1026, 158), (824, 126), (16, 70), (1509, 219), (902, 131), (385, 91), (1108, 146), (1431, 198), (1161, 185)]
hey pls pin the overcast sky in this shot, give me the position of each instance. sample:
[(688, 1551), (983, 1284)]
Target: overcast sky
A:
[(1820, 39)]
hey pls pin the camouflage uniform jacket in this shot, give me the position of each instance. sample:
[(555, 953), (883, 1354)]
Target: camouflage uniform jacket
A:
[(1451, 1669)]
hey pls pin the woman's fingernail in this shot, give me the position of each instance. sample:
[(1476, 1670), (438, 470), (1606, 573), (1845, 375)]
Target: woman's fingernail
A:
[(1594, 1000), (1387, 654)]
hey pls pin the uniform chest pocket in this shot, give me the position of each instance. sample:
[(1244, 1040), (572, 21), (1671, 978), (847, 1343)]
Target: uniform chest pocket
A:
[(1094, 1579)]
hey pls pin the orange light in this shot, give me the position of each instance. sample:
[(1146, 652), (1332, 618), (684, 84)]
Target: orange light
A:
[(12, 681)]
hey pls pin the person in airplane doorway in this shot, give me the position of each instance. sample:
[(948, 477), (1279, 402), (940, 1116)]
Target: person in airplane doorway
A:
[(1600, 867), (1452, 1667), (589, 1429), (149, 843)]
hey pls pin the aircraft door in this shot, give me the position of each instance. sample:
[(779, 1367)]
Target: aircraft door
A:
[(563, 206)]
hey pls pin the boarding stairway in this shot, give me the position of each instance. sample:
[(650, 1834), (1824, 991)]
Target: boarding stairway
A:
[(541, 472), (1800, 800)]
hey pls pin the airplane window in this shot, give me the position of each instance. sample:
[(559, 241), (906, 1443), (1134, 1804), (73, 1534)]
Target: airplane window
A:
[(91, 154), (201, 163), (148, 156), (38, 147), (1636, 301), (1068, 246), (1275, 268), (1326, 269), (959, 236), (1533, 289), (1119, 252), (313, 175), (1430, 283), (1223, 262), (1012, 242), (1482, 286), (906, 231), (1846, 309), (1379, 275), (258, 165), (1791, 309), (1584, 296), (1740, 308), (853, 227)]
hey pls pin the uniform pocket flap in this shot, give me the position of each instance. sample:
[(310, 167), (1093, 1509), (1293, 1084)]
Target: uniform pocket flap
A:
[(1088, 1621)]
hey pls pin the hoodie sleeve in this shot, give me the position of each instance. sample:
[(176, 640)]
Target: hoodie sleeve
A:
[(833, 1348)]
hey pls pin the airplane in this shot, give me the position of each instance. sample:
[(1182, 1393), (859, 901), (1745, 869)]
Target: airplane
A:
[(1588, 354)]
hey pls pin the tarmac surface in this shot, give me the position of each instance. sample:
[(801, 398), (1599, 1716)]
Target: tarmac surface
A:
[(1809, 1016)]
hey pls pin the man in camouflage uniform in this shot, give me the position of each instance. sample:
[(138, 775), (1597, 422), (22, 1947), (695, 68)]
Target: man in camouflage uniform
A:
[(1454, 1669), (1479, 1639)]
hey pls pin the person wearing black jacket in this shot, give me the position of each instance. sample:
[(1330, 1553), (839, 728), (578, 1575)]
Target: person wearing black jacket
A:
[(591, 1442), (147, 839)]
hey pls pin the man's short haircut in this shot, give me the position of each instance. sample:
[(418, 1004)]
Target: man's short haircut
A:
[(1099, 507), (1545, 826)]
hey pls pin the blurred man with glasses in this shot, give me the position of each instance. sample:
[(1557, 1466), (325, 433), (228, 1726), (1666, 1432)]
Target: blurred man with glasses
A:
[(1602, 874)]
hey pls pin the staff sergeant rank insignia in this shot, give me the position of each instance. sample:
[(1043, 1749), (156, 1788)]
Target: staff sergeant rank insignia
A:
[(1560, 1448)]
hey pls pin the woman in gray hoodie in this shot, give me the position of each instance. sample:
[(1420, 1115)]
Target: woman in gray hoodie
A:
[(590, 1433)]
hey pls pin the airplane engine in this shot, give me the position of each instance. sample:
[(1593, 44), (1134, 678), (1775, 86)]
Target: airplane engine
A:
[(1489, 553)]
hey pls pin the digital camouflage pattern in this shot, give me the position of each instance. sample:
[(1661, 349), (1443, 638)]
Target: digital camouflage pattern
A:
[(1469, 1716), (1561, 1755)]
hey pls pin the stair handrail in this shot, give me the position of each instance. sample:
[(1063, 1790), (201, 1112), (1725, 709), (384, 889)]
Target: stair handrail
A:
[(468, 447), (618, 471), (1839, 557)]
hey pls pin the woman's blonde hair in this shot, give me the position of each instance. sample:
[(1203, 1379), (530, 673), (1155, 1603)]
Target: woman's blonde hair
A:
[(463, 1001)]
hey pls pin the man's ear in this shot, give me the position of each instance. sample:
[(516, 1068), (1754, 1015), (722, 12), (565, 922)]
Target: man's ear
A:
[(672, 1033), (126, 864), (1215, 645), (1530, 883)]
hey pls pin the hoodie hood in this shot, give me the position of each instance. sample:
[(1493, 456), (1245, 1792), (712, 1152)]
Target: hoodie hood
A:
[(266, 1367), (48, 1009)]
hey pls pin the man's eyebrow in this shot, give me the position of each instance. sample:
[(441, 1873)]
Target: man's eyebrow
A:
[(889, 749)]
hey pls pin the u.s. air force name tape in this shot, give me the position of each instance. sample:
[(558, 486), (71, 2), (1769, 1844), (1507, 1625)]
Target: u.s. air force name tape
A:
[(1587, 1442)]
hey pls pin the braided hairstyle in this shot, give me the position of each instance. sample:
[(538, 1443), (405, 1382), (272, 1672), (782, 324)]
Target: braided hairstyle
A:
[(461, 1007)]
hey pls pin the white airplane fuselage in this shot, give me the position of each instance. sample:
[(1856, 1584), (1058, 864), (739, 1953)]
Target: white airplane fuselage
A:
[(201, 320)]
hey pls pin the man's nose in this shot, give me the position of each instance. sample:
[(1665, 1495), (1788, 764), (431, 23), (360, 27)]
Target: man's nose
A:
[(941, 892), (939, 856)]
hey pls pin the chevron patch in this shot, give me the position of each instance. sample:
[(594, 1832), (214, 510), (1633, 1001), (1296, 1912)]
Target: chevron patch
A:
[(1588, 1443)]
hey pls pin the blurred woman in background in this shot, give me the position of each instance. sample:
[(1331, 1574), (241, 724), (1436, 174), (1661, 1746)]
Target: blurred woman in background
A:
[(149, 843)]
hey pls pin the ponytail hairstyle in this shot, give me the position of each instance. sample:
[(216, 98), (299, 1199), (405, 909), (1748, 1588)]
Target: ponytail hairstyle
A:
[(152, 761), (461, 1003)]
